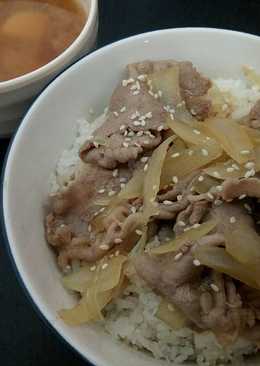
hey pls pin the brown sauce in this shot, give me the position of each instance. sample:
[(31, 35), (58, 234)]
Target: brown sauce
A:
[(34, 32)]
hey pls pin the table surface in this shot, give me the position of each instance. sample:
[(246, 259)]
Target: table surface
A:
[(24, 338)]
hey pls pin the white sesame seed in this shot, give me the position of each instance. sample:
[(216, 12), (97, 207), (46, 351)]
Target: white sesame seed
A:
[(127, 82), (143, 123), (144, 159), (250, 165), (210, 196), (160, 128), (250, 173), (145, 167), (139, 232), (93, 268), (125, 144), (235, 166), (216, 174), (248, 208), (142, 77), (230, 170), (111, 193), (118, 241), (154, 187), (122, 127), (102, 209), (136, 92), (133, 209), (218, 202), (122, 185), (167, 202), (175, 179), (179, 197), (193, 112), (187, 229), (201, 178), (115, 173), (219, 188), (101, 190), (178, 256), (195, 226), (224, 107), (172, 117), (104, 266), (181, 223), (137, 123), (146, 41), (96, 144), (190, 152), (89, 228), (244, 152), (125, 133), (232, 220), (214, 287), (104, 247), (204, 152), (140, 133), (175, 155), (116, 113), (242, 196), (197, 132), (196, 262), (127, 139), (160, 93), (170, 307), (208, 138), (149, 115), (117, 253)]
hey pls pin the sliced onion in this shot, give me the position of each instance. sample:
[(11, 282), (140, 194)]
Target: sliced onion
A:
[(153, 177), (190, 235), (170, 315), (253, 134), (218, 259), (232, 138), (205, 185), (251, 75)]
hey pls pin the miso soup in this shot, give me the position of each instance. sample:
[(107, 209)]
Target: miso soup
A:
[(32, 33)]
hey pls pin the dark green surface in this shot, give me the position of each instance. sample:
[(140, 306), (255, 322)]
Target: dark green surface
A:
[(24, 338)]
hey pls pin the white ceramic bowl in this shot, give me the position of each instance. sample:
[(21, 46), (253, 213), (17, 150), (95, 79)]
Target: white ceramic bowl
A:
[(49, 127), (17, 95)]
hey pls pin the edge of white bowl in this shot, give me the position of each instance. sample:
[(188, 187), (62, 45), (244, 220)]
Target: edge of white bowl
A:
[(6, 226)]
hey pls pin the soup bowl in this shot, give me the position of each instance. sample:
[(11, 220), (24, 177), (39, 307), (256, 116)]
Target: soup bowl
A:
[(16, 95), (50, 127)]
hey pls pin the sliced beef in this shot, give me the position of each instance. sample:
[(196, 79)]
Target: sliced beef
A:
[(235, 188), (194, 88)]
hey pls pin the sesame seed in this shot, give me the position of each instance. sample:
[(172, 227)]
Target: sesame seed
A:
[(146, 41), (178, 256), (117, 253), (201, 178), (230, 170), (139, 232), (235, 166), (214, 287), (122, 127), (101, 190), (179, 197), (195, 226), (104, 247), (250, 173), (102, 209), (250, 165), (96, 144), (196, 262), (104, 266), (118, 240), (136, 92), (145, 167), (242, 196), (190, 152), (187, 229), (181, 223), (160, 93), (204, 152), (208, 138), (216, 174), (137, 123), (155, 187), (142, 77), (224, 107), (116, 113), (89, 228), (127, 139), (160, 128), (244, 152), (144, 159), (125, 133), (149, 115), (122, 185), (219, 188), (197, 132), (125, 144), (140, 133), (175, 155), (93, 268), (232, 220), (133, 209), (170, 307), (210, 196), (248, 208), (175, 179), (127, 82), (193, 112), (115, 173), (167, 202), (143, 123), (111, 193)]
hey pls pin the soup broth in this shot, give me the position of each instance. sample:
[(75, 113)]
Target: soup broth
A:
[(32, 33)]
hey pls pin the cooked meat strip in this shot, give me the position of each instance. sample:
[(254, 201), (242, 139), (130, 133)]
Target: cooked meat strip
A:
[(234, 188), (182, 220), (199, 210), (194, 87)]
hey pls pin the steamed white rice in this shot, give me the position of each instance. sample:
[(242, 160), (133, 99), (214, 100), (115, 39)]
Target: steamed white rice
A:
[(132, 317)]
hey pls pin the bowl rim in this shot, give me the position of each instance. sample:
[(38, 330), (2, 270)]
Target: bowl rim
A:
[(57, 62), (9, 244)]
